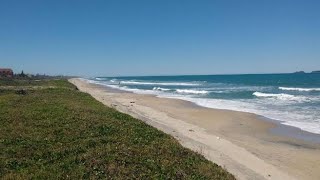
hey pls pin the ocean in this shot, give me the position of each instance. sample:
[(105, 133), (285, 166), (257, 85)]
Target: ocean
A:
[(291, 99)]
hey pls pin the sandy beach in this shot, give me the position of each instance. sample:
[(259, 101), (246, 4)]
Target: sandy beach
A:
[(242, 143)]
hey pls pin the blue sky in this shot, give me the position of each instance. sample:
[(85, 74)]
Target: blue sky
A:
[(159, 37)]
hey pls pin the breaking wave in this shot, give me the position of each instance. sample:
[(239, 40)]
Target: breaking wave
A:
[(281, 96), (299, 89), (113, 80), (160, 89), (190, 91), (100, 79)]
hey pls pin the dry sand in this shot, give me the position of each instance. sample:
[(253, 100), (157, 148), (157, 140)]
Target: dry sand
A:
[(240, 142)]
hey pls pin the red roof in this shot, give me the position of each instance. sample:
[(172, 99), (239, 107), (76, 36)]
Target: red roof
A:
[(5, 69)]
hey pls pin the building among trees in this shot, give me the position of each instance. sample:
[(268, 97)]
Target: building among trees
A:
[(5, 72)]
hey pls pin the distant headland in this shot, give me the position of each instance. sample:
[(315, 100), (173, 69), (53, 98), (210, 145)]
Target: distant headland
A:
[(303, 72), (299, 72)]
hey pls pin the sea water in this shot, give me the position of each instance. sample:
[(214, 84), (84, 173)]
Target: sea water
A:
[(292, 99)]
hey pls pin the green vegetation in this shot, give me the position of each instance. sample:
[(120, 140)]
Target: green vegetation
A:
[(27, 82), (61, 133)]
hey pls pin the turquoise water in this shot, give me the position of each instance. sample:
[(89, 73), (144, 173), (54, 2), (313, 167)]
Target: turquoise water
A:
[(292, 99)]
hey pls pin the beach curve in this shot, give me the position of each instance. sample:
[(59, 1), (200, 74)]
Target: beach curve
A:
[(243, 159)]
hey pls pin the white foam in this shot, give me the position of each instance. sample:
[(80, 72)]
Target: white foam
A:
[(307, 126), (160, 89), (281, 96), (299, 89), (99, 79), (191, 91), (287, 117), (160, 83), (260, 94), (219, 92), (125, 88), (113, 80)]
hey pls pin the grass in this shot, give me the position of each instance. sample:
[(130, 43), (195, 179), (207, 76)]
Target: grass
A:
[(27, 82), (61, 133)]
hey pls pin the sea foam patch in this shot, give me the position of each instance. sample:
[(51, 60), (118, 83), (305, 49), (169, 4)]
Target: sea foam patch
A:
[(191, 91), (281, 96), (160, 89), (299, 89)]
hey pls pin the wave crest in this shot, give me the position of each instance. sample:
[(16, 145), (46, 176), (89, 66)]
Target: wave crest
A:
[(299, 89), (190, 91), (113, 80), (99, 79), (281, 96), (160, 89)]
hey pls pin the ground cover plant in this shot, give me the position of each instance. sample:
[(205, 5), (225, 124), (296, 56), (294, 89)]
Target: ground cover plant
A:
[(62, 133)]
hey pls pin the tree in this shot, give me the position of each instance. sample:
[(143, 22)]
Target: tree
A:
[(22, 74)]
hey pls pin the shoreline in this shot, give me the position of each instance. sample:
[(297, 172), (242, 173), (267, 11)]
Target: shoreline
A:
[(238, 141), (291, 131), (283, 120), (279, 129)]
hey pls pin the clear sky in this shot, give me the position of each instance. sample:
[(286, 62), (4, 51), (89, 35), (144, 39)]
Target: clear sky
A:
[(159, 37)]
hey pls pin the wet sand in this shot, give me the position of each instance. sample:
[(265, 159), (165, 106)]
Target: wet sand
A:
[(245, 144)]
